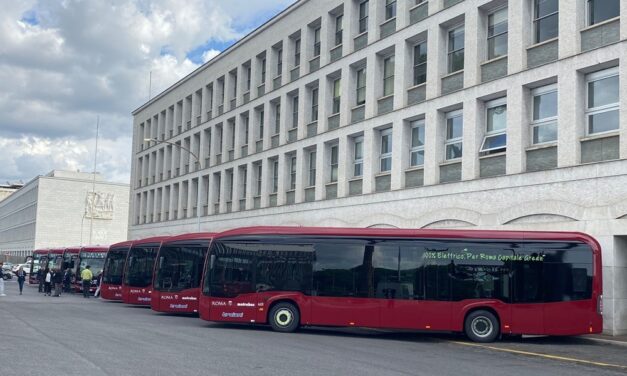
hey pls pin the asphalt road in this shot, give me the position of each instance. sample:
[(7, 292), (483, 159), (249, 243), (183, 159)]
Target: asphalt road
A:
[(71, 335)]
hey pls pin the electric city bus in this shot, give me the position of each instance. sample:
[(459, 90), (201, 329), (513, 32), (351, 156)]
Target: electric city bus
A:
[(39, 258), (111, 284), (93, 256), (140, 263), (482, 283), (55, 259), (178, 271)]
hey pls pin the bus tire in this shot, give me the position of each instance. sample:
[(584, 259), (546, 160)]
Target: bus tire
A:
[(284, 317), (482, 326)]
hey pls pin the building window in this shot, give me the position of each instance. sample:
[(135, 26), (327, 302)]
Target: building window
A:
[(229, 185), (338, 29), (246, 130), (420, 63), (295, 112), (602, 101), (601, 10), (544, 120), (259, 173), (312, 169), (297, 52), (390, 9), (385, 159), (456, 49), (218, 180), (275, 176), (261, 124), (279, 62), (314, 104), (358, 157), (263, 70), (316, 46), (292, 172), (248, 77), (497, 33), (545, 20), (495, 139), (277, 118), (243, 187), (388, 76), (417, 147), (361, 86), (336, 96), (334, 163), (363, 16), (454, 133)]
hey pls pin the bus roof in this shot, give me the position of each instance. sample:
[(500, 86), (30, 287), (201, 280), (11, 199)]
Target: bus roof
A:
[(192, 236), (40, 251), (94, 248), (75, 249), (152, 240), (124, 244), (56, 251), (401, 233)]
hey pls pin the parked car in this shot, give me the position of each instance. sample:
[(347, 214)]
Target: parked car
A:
[(6, 272), (25, 267)]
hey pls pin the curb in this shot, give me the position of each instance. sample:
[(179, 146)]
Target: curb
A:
[(609, 341)]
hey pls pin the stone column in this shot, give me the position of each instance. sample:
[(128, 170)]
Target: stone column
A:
[(517, 129), (398, 155), (474, 124), (300, 176), (343, 156), (471, 51), (370, 158), (570, 114)]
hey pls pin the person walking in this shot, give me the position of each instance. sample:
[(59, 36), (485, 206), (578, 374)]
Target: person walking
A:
[(86, 277), (21, 278), (57, 279), (40, 278), (47, 282), (2, 280), (67, 280)]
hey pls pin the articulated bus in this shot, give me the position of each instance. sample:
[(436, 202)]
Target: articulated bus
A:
[(93, 256), (40, 257), (482, 283), (111, 284), (178, 272), (140, 263)]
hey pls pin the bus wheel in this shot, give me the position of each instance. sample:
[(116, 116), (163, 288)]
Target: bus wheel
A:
[(284, 317), (481, 326)]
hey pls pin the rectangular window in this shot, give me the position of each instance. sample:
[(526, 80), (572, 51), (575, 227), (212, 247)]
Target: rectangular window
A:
[(497, 33), (292, 172), (454, 133), (388, 76), (390, 9), (544, 117), (314, 104), (385, 158), (336, 96), (334, 163), (495, 139), (279, 62), (242, 193), (275, 176), (295, 112), (259, 176), (358, 156), (417, 147), (277, 118), (261, 124), (316, 46), (263, 70), (232, 140), (420, 63), (361, 86), (297, 52), (234, 86), (545, 20), (246, 130), (602, 105), (456, 49), (312, 169), (248, 77), (363, 16), (602, 10), (229, 186), (338, 29)]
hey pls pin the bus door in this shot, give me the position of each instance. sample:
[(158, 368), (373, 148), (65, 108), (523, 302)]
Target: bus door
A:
[(528, 293)]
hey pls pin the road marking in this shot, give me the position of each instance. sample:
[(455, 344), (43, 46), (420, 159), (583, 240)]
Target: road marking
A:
[(546, 356)]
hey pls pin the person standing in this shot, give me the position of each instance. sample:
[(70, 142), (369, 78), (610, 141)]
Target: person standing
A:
[(21, 277), (57, 279), (98, 283), (86, 277), (67, 280), (1, 280), (40, 278), (47, 282)]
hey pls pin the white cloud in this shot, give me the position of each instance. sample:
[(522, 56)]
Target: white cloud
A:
[(83, 59)]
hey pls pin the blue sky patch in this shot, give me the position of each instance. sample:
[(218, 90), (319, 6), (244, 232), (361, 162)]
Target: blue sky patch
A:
[(30, 17)]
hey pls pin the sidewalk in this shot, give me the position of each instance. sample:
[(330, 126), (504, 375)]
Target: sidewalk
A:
[(615, 340)]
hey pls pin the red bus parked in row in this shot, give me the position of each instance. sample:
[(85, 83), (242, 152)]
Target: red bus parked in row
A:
[(93, 256), (483, 283), (178, 272), (113, 271), (39, 258), (138, 269)]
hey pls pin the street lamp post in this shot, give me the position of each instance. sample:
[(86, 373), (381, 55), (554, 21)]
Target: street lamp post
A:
[(156, 141)]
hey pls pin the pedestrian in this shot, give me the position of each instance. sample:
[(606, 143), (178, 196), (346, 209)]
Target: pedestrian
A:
[(47, 282), (57, 279), (40, 278), (98, 282), (2, 280), (21, 277), (86, 277), (67, 280)]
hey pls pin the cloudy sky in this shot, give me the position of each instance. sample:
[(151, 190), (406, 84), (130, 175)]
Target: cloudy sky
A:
[(64, 63)]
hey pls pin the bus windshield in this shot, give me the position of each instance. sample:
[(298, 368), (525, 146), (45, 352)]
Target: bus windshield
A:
[(114, 266), (179, 267), (139, 267), (56, 261), (94, 259)]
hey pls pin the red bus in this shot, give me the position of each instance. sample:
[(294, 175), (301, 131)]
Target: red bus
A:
[(93, 256), (178, 272), (140, 263), (39, 258), (483, 283), (55, 259), (111, 284)]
